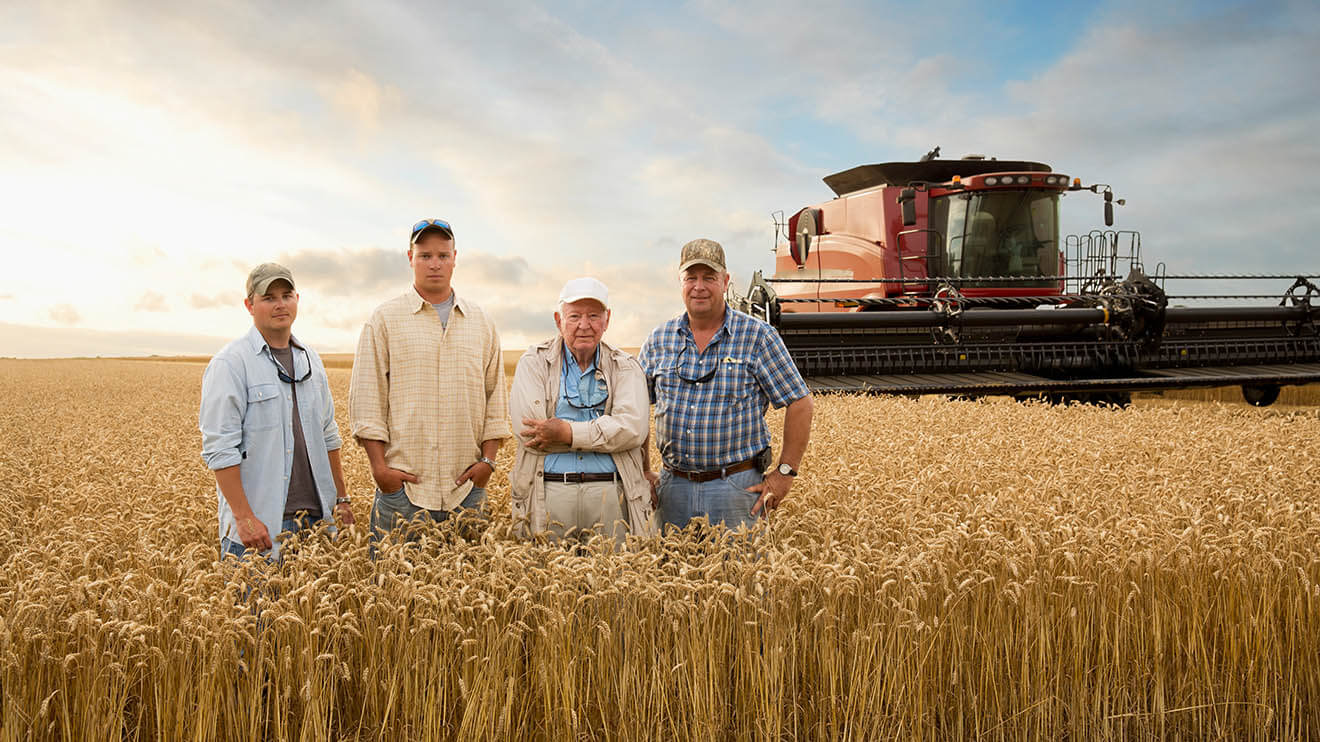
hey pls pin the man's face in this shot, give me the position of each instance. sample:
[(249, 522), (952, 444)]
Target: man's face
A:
[(581, 324), (432, 261), (275, 310), (703, 290)]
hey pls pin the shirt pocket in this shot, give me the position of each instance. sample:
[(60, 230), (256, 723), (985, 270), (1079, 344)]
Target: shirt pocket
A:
[(264, 411), (734, 384)]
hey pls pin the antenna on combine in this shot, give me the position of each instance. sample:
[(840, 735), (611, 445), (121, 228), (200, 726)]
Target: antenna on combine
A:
[(931, 155)]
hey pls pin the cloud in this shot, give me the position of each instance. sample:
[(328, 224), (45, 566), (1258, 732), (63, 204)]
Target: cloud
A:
[(348, 272), (373, 271), (201, 301), (151, 302), (362, 98), (65, 314), (493, 269), (566, 139)]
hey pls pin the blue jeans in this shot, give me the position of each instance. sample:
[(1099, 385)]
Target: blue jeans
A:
[(390, 510), (230, 547), (724, 501)]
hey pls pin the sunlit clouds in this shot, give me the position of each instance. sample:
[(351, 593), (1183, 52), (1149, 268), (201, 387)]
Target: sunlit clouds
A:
[(153, 154)]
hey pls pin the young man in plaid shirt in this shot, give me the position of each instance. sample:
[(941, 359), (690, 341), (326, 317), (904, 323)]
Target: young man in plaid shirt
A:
[(427, 399), (712, 370)]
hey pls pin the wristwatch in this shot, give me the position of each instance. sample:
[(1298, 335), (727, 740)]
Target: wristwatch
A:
[(487, 462), (786, 470)]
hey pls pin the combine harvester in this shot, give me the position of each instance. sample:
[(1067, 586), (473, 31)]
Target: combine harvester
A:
[(949, 277)]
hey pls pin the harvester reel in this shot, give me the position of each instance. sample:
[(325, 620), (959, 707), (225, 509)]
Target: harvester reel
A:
[(948, 302), (1291, 297)]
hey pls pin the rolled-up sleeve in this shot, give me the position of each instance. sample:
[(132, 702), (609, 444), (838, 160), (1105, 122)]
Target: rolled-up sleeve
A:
[(626, 426), (220, 418), (368, 387), (497, 392), (777, 374)]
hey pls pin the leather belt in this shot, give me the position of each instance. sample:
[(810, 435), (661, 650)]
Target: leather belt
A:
[(713, 474), (579, 478)]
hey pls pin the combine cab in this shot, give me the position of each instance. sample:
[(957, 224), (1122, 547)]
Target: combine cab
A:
[(949, 277)]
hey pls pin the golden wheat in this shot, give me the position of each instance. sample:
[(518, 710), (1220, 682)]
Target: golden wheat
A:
[(943, 570)]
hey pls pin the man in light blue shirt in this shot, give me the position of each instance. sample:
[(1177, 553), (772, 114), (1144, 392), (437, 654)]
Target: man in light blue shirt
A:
[(268, 426)]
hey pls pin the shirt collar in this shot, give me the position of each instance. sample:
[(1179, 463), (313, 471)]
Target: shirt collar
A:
[(685, 325), (257, 343), (422, 304), (568, 358)]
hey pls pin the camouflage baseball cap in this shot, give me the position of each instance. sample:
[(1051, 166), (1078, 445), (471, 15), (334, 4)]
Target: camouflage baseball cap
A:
[(703, 251), (261, 277)]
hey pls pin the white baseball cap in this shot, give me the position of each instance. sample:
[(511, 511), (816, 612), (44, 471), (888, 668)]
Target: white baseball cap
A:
[(584, 288)]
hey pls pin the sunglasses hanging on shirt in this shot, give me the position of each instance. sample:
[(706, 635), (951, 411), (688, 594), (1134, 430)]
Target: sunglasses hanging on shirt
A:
[(285, 377)]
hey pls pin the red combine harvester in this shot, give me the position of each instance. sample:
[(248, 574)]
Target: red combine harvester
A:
[(949, 277)]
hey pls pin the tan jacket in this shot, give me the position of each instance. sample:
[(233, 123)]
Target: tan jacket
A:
[(621, 431)]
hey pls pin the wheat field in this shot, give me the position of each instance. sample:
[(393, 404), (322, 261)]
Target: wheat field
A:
[(942, 570)]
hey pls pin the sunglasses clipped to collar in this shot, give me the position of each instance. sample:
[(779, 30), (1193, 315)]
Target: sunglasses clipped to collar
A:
[(426, 224)]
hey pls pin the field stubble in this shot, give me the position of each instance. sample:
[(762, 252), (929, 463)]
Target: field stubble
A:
[(942, 570)]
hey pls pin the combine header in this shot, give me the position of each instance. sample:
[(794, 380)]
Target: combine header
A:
[(949, 277)]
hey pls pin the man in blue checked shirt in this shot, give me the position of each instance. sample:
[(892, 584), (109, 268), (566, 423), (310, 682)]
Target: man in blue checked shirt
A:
[(712, 370), (268, 426)]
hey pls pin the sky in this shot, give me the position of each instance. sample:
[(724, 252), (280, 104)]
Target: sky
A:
[(152, 153)]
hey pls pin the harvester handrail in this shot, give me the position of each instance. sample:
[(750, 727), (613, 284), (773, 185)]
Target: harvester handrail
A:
[(1006, 279)]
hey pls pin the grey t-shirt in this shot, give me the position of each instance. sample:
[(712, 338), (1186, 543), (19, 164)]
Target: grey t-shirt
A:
[(444, 308), (302, 485)]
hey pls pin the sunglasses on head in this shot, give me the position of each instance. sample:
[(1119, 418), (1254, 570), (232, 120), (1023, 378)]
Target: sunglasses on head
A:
[(440, 224)]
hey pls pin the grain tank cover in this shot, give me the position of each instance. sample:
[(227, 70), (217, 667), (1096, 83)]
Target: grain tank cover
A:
[(931, 171)]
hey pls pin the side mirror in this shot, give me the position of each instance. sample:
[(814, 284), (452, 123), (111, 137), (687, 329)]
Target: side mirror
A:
[(1109, 208), (907, 199)]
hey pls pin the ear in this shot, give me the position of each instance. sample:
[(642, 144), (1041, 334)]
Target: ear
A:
[(248, 303), (558, 322)]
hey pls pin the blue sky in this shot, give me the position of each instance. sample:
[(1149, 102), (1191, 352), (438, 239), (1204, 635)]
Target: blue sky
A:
[(150, 154)]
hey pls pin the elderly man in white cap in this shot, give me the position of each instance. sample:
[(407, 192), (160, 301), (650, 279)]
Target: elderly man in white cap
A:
[(584, 413)]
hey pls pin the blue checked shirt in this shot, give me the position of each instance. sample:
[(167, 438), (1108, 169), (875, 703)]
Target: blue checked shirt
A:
[(704, 425)]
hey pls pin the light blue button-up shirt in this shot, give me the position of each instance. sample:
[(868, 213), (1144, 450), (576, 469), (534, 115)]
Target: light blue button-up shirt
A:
[(246, 419), (580, 386)]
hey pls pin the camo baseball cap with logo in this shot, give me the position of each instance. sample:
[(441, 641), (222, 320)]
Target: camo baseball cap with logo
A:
[(703, 251), (261, 277)]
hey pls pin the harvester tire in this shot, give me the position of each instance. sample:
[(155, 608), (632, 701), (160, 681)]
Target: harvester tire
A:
[(1260, 396)]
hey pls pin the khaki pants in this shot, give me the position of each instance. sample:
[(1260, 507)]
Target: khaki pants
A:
[(575, 510)]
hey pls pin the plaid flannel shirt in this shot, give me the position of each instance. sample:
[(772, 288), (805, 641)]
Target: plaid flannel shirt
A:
[(703, 425)]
